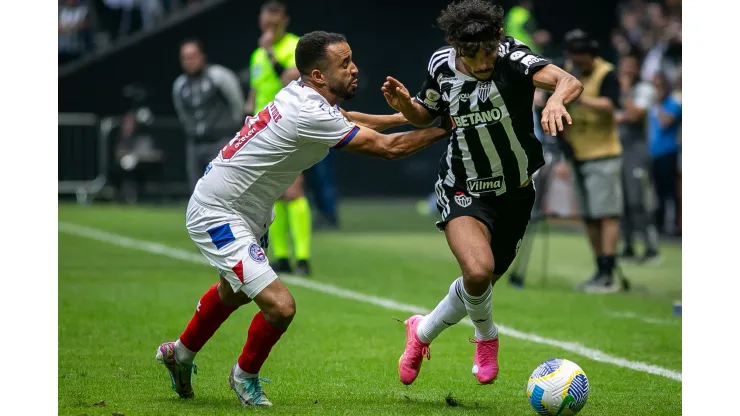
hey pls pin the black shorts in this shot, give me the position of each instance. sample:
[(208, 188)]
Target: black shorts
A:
[(506, 217)]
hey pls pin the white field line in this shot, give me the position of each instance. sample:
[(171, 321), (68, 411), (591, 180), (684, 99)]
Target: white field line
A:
[(646, 319), (179, 254)]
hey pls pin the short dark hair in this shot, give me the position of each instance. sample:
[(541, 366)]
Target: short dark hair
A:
[(577, 41), (471, 25), (193, 41), (310, 53), (275, 6), (635, 53)]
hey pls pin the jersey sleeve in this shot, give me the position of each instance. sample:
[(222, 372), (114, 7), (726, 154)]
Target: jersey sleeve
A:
[(523, 61), (610, 88), (322, 123), (430, 94)]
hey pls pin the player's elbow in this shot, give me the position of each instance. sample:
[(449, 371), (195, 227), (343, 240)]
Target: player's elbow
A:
[(577, 85), (391, 152)]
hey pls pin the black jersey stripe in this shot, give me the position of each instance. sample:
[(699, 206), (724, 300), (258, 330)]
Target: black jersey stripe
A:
[(471, 138)]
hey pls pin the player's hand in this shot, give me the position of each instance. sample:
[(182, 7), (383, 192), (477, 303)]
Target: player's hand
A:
[(396, 95), (266, 40), (552, 117)]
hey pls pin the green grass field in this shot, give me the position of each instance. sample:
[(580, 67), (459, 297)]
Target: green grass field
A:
[(131, 278)]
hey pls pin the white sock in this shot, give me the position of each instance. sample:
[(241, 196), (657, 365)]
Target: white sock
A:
[(448, 312), (241, 374), (183, 354), (479, 310)]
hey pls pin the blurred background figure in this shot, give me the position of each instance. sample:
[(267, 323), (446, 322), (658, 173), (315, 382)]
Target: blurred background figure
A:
[(639, 194), (597, 155), (521, 24), (664, 122), (209, 104), (271, 67), (75, 35), (139, 161)]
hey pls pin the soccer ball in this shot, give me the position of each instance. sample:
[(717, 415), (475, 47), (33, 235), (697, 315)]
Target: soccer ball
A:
[(557, 387)]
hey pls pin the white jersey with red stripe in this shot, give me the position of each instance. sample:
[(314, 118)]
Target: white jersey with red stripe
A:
[(289, 135)]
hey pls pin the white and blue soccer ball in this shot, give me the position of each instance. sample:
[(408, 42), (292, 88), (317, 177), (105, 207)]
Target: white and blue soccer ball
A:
[(557, 387)]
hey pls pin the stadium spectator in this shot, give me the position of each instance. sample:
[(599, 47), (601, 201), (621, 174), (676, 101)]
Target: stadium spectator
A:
[(75, 36), (637, 96), (665, 55), (272, 66), (209, 104), (664, 123), (151, 12), (678, 94), (139, 160), (124, 15), (597, 154)]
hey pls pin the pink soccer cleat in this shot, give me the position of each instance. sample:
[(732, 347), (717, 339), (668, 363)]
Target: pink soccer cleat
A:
[(485, 364), (409, 364)]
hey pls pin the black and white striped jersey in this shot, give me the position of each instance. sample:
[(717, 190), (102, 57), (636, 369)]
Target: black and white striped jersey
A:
[(493, 146)]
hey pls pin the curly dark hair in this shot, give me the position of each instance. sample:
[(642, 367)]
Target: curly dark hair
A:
[(471, 25)]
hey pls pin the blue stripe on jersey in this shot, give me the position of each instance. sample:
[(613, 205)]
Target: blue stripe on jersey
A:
[(221, 235), (347, 138)]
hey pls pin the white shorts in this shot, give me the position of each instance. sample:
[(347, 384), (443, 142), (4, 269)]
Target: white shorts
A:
[(230, 246)]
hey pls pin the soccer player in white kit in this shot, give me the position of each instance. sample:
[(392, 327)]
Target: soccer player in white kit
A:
[(232, 205)]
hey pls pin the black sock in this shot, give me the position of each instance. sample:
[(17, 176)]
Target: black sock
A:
[(601, 264), (609, 264)]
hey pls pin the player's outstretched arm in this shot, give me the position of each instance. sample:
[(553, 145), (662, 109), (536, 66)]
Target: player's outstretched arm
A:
[(376, 122), (566, 89), (397, 145), (399, 98)]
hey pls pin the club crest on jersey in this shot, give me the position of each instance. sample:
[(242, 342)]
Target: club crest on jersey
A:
[(484, 89), (463, 200), (256, 253), (432, 95)]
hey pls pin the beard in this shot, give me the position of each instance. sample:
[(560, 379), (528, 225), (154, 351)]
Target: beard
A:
[(345, 92)]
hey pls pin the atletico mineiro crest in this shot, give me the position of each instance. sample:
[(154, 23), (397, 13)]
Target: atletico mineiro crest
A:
[(484, 89), (463, 200)]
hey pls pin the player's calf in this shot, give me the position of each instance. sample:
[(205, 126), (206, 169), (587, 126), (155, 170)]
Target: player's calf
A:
[(277, 309)]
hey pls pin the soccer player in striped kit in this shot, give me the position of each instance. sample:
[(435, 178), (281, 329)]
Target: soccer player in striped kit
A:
[(485, 81)]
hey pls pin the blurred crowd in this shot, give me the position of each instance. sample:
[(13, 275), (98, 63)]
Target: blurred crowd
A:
[(645, 49), (89, 25), (650, 34)]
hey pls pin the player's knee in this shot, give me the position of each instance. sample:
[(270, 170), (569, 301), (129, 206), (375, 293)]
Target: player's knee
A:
[(282, 312), (292, 194), (479, 273), (295, 191)]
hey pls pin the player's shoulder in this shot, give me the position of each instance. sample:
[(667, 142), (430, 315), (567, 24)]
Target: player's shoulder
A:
[(439, 60), (512, 48), (310, 105), (179, 82), (218, 70)]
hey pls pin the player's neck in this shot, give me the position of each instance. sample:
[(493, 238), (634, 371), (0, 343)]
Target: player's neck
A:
[(324, 92)]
